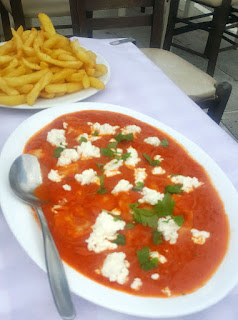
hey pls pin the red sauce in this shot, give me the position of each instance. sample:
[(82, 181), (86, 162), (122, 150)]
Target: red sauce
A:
[(188, 265)]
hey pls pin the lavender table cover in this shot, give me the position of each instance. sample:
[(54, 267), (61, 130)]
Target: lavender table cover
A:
[(138, 84)]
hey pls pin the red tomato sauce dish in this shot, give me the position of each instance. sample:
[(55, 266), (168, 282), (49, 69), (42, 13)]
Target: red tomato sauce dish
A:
[(127, 205)]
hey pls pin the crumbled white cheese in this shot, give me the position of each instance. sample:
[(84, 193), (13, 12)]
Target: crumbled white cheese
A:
[(65, 125), (169, 229), (88, 137), (122, 185), (154, 141), (133, 159), (166, 291), (103, 129), (111, 168), (140, 174), (158, 157), (158, 170), (155, 276), (116, 211), (104, 230), (199, 237), (131, 129), (67, 156), (115, 267), (160, 257), (55, 208), (53, 175), (86, 177), (66, 187), (86, 150), (56, 137), (150, 196), (188, 183), (136, 284)]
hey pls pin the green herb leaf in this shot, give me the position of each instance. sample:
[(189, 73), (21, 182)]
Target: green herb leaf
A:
[(130, 225), (112, 145), (146, 217), (121, 137), (101, 189), (165, 207), (157, 237), (96, 133), (120, 239), (173, 188), (179, 220), (115, 216), (164, 143), (144, 259), (100, 166), (58, 151), (138, 187), (153, 163), (125, 156), (82, 139), (107, 152)]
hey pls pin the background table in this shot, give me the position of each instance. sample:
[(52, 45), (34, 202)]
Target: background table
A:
[(138, 84)]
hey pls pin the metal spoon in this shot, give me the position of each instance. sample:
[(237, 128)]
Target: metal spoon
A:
[(24, 177)]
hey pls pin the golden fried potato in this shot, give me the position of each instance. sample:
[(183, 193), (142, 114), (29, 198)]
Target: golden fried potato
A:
[(12, 100), (47, 24), (40, 85)]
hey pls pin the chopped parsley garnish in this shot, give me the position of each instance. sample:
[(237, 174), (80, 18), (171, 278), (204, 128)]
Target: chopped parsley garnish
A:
[(153, 163), (130, 225), (164, 143), (125, 156), (112, 145), (173, 188), (96, 133), (138, 187), (82, 139), (144, 259), (157, 237), (179, 220), (146, 217), (101, 189), (121, 137), (120, 239), (58, 151), (107, 152), (100, 166), (165, 207)]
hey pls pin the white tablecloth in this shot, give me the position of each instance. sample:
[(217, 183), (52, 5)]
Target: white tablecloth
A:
[(138, 84)]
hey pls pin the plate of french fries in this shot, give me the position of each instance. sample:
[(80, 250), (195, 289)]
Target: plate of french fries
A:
[(40, 68)]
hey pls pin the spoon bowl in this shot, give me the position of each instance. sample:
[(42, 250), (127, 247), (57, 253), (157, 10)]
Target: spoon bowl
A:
[(24, 177)]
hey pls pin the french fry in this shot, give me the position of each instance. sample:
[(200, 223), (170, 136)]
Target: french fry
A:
[(8, 90), (62, 75), (28, 78), (30, 52), (101, 69), (64, 64), (76, 77), (26, 88), (40, 85), (19, 43), (20, 71), (47, 24), (96, 83), (7, 47), (66, 57), (12, 100), (14, 63), (31, 65), (31, 38), (64, 87), (86, 81), (25, 35), (20, 31), (44, 65), (80, 53), (46, 95), (5, 59)]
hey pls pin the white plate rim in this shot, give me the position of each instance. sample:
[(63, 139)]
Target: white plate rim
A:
[(41, 103), (214, 290)]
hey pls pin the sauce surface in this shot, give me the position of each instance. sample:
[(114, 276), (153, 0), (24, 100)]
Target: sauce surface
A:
[(72, 213)]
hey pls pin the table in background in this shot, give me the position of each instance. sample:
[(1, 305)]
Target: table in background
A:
[(136, 83)]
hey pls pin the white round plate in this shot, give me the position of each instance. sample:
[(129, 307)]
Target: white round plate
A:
[(27, 232), (41, 103)]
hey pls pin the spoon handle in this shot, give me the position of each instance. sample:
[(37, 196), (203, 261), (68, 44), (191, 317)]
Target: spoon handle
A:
[(56, 274)]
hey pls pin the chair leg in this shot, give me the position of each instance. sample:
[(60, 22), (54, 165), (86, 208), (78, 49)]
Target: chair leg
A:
[(223, 92), (220, 18), (171, 24), (5, 22)]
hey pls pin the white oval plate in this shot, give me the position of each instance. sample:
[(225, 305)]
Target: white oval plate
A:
[(41, 103), (27, 232)]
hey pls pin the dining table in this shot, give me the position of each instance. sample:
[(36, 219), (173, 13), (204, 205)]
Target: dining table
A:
[(138, 84)]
